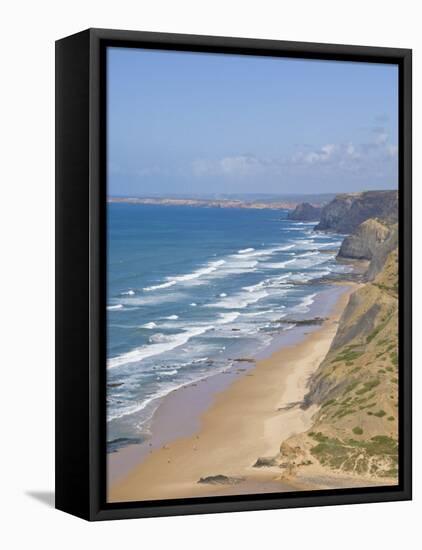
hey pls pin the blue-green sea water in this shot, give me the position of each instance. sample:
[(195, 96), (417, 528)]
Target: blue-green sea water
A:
[(191, 289)]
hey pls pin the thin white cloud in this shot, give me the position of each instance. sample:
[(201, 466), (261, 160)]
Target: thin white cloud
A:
[(378, 155), (322, 155), (237, 165), (364, 158)]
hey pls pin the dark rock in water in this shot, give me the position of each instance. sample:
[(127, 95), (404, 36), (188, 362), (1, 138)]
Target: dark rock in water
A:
[(221, 479), (303, 322), (305, 212), (245, 360), (114, 384), (348, 210), (116, 444), (265, 462)]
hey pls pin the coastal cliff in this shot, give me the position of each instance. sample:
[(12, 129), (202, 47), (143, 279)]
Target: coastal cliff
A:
[(348, 210), (305, 212), (355, 389), (363, 243)]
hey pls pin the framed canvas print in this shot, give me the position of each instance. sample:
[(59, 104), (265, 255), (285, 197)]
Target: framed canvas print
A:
[(233, 274)]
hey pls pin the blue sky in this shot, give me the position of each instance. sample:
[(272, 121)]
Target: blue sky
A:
[(194, 123)]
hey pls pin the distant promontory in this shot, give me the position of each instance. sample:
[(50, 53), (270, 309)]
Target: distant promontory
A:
[(348, 210), (305, 212), (208, 203)]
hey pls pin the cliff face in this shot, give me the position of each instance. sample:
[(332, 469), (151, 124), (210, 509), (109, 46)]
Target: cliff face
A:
[(355, 389), (347, 211), (372, 240), (363, 243), (382, 252), (305, 212), (355, 429)]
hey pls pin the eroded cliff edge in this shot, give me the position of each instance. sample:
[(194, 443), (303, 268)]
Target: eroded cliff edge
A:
[(354, 391), (348, 210)]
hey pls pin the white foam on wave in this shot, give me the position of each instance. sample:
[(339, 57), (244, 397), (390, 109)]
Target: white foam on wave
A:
[(151, 299), (164, 390), (117, 306), (303, 242), (265, 252), (158, 345), (207, 270), (308, 300), (173, 280), (253, 288), (278, 265), (258, 313), (171, 317), (239, 301), (245, 250), (236, 266), (307, 259), (241, 262), (139, 406), (305, 303), (149, 325), (298, 229), (129, 292), (160, 286), (267, 283), (228, 317), (159, 338)]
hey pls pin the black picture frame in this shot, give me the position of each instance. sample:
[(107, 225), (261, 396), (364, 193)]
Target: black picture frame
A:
[(81, 272)]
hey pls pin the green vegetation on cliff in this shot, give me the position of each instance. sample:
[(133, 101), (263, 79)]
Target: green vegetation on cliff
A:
[(355, 428)]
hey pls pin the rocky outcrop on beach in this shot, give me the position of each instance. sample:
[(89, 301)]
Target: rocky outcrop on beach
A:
[(221, 479), (305, 212), (355, 389), (348, 210)]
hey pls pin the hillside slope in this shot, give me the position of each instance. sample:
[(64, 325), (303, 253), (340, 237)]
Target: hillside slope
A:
[(355, 428)]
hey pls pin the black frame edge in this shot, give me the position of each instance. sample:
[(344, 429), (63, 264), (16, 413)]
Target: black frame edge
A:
[(72, 260), (258, 46), (405, 272)]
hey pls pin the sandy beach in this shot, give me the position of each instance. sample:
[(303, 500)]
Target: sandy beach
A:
[(245, 421)]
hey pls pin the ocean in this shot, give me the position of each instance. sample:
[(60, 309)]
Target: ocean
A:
[(190, 290)]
